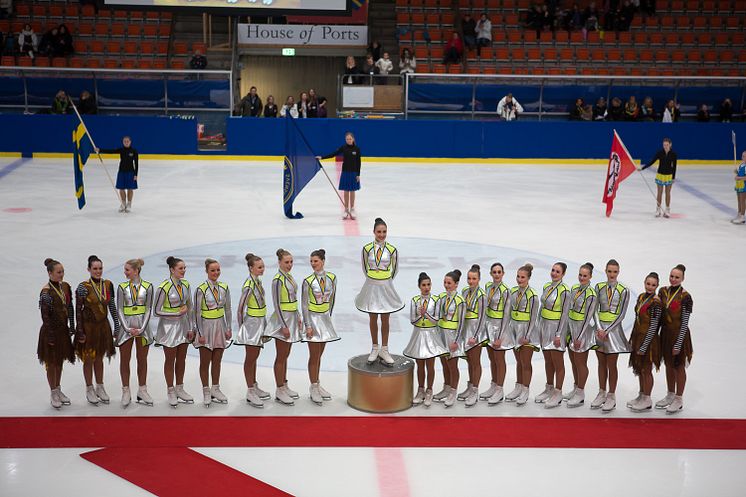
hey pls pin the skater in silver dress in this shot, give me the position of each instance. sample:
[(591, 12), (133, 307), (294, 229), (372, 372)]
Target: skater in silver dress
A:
[(317, 305), (475, 334), (451, 311), (524, 310), (134, 305), (214, 322), (252, 322), (285, 324), (497, 310), (613, 298), (555, 305), (378, 295), (173, 307), (581, 331), (426, 342)]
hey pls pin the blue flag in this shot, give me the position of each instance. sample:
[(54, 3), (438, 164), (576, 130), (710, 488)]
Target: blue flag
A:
[(299, 168), (82, 148)]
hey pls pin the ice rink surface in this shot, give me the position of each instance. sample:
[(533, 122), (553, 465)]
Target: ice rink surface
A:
[(440, 216)]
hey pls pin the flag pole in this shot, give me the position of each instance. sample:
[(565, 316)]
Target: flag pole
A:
[(735, 161), (330, 182), (647, 184), (85, 128)]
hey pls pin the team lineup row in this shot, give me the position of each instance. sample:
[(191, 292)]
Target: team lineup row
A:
[(448, 326)]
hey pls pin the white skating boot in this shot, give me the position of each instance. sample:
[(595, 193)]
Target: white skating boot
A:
[(90, 395), (54, 399), (315, 394), (554, 400), (610, 402), (252, 397), (630, 402), (143, 396), (739, 220), (676, 405), (665, 401), (182, 395), (121, 207), (489, 392), (514, 393), (282, 396), (173, 400), (523, 397), (464, 393), (578, 399), (128, 207), (497, 397), (206, 396), (385, 356), (569, 395), (644, 403), (419, 398), (324, 394), (428, 398), (451, 398), (346, 215), (373, 356), (438, 397), (101, 393), (667, 212), (63, 398), (261, 393), (353, 214), (658, 211), (472, 397), (543, 396), (292, 393), (217, 395), (599, 400), (126, 396)]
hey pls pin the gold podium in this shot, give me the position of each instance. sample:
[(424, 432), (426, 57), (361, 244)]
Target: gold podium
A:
[(377, 388)]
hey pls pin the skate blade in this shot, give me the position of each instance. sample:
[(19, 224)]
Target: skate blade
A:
[(252, 404), (103, 401), (219, 401), (639, 410), (318, 403), (186, 401), (574, 406), (495, 403), (284, 403), (140, 401), (174, 406)]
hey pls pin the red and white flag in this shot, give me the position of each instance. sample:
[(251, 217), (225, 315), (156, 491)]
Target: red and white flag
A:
[(620, 167)]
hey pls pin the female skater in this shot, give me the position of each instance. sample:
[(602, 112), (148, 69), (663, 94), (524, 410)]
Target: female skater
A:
[(613, 298), (129, 166), (173, 307), (451, 312), (285, 324), (555, 305), (212, 303), (378, 295), (317, 305), (524, 308), (349, 181), (426, 342), (497, 307), (252, 322), (581, 332), (645, 343), (134, 304), (94, 302), (741, 191), (665, 177), (676, 340), (57, 326), (474, 334)]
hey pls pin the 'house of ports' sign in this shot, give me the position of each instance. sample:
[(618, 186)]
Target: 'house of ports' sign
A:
[(290, 35)]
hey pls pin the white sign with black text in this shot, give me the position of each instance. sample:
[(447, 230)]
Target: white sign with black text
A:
[(290, 35)]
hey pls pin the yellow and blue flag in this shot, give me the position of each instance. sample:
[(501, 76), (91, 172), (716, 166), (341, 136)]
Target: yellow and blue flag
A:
[(82, 148), (300, 166)]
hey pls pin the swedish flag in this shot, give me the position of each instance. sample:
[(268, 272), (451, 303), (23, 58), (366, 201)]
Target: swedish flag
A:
[(82, 148)]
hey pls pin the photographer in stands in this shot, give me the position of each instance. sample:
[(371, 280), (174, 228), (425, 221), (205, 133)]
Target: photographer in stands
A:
[(508, 108)]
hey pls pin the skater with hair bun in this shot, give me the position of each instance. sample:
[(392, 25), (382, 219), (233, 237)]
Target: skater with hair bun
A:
[(475, 334), (94, 303), (451, 312), (349, 181), (57, 326), (173, 306), (252, 323), (524, 309), (212, 303), (581, 332), (426, 342), (378, 295), (497, 317), (134, 305), (645, 343), (317, 303)]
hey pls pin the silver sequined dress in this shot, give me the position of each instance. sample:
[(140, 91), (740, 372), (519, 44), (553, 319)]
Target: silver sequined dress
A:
[(284, 284), (319, 289), (426, 341), (173, 327), (378, 296), (612, 307), (213, 317), (497, 302), (134, 305), (251, 314)]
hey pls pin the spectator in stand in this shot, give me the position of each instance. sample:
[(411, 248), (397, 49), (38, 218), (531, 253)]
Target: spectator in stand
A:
[(469, 28), (289, 108), (302, 105), (547, 19), (599, 110), (250, 105), (590, 17), (351, 72), (616, 111), (647, 112), (370, 69), (27, 42), (454, 49), (631, 109), (6, 9), (534, 20), (703, 114), (647, 7), (270, 110), (624, 15), (8, 46), (671, 113), (198, 61), (726, 111), (60, 104), (573, 19), (87, 104), (508, 108), (577, 111), (385, 66), (375, 49), (322, 107), (47, 45), (407, 62), (64, 42), (313, 103), (587, 113), (484, 33)]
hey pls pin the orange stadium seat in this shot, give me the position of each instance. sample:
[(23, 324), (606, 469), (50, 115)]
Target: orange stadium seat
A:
[(678, 56), (529, 36), (23, 10), (111, 63), (41, 62), (118, 29), (85, 29), (145, 64), (97, 46), (694, 57), (101, 29), (716, 22), (487, 53), (727, 56), (133, 30), (59, 62), (77, 62), (150, 30), (113, 47), (502, 54), (80, 46), (56, 11), (646, 55), (72, 11), (561, 37), (38, 10), (550, 54), (25, 62), (8, 60), (671, 39), (130, 47), (152, 16), (161, 64), (129, 64), (582, 54), (93, 63)]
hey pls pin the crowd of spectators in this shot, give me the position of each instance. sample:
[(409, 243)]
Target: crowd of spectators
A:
[(631, 110), (309, 105), (614, 15), (376, 67), (57, 42), (62, 104)]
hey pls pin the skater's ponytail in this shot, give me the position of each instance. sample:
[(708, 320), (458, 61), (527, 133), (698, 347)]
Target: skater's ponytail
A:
[(527, 268), (455, 275), (252, 259), (281, 253), (172, 261)]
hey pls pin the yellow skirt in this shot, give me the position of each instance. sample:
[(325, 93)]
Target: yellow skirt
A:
[(664, 179)]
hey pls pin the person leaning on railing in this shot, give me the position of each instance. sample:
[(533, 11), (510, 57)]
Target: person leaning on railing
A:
[(407, 62), (508, 108)]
